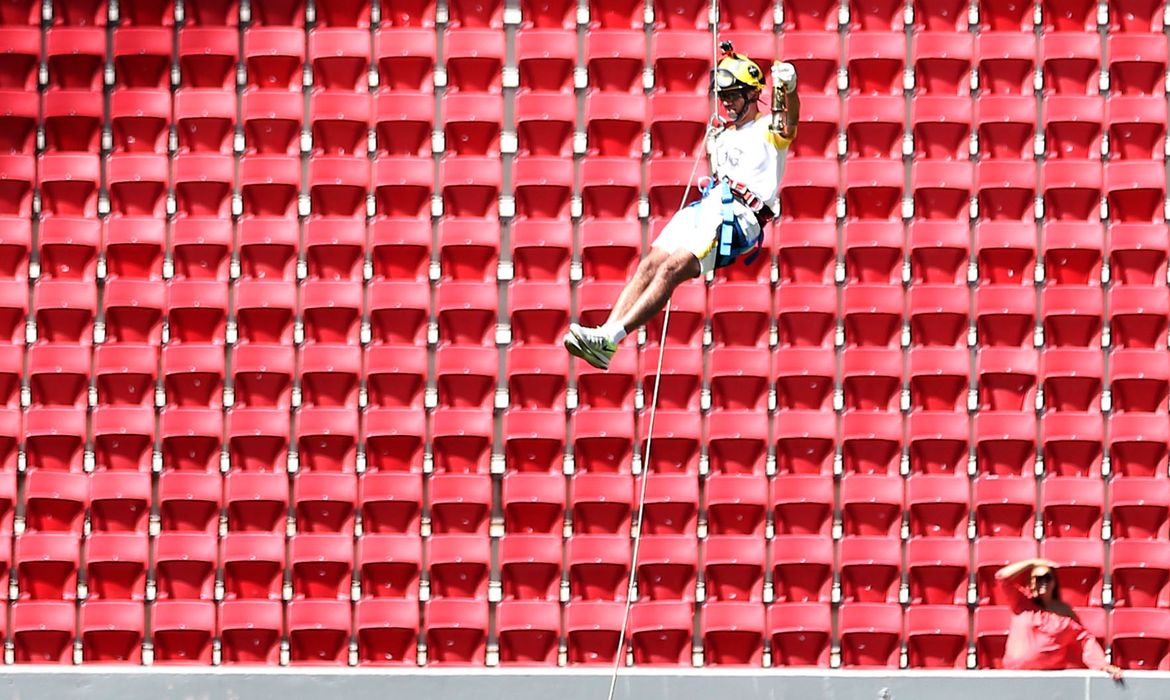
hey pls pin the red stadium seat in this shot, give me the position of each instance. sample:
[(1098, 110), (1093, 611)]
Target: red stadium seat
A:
[(398, 312), (671, 505), (661, 633), (250, 631), (815, 53), (262, 375), (466, 376), (203, 184), (990, 555), (182, 632), (806, 252), (598, 567), (871, 380), (733, 568), (679, 438), (1139, 380), (874, 126), (269, 184), (69, 248), (394, 439), (390, 503), (1072, 126), (17, 190), (870, 634), (1073, 443), (538, 311), (1006, 189), (471, 123), (530, 567), (22, 57), (1080, 568), (1005, 443), (1005, 506), (185, 564), (279, 13), (1135, 63), (554, 14), (340, 58), (475, 60), (667, 567), (190, 438), (529, 632), (872, 314), (1071, 62), (1072, 378), (1006, 127), (1072, 315), (1136, 255), (740, 378), (190, 502), (460, 503), (940, 16), (1073, 506), (873, 252), (1006, 252), (1136, 508), (459, 566), (1135, 194), (389, 565), (193, 374), (601, 503), (682, 60), (208, 56), (871, 504), (809, 190), (1136, 127), (740, 314), (15, 247), (253, 565), (115, 565), (1140, 571), (123, 438), (937, 571), (733, 633), (676, 125), (351, 13), (800, 633), (938, 378), (403, 123), (337, 186), (406, 58), (875, 61), (1004, 318), (543, 188), (330, 375), (937, 442), (942, 190), (134, 249), (470, 186), (59, 375), (804, 378), (1072, 253), (534, 502), (936, 636), (820, 122), (736, 503), (802, 568), (133, 310), (112, 631), (941, 126), (938, 315), (873, 189), (816, 15), (46, 565), (324, 501), (614, 59), (256, 501), (69, 184), (545, 59), (937, 505), (272, 122), (319, 632), (54, 438), (274, 57), (1135, 15), (386, 631), (75, 56), (603, 440), (43, 631), (804, 442), (202, 118), (737, 442), (534, 439), (73, 120), (1140, 639), (142, 57), (942, 63), (321, 566)]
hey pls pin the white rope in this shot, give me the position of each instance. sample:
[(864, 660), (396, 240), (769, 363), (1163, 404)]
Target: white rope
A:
[(620, 656)]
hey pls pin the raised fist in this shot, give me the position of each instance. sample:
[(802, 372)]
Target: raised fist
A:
[(784, 74)]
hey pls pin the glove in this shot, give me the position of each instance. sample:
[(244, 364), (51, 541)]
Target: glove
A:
[(784, 74)]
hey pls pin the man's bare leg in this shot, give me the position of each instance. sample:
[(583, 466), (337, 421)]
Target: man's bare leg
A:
[(678, 267), (634, 289)]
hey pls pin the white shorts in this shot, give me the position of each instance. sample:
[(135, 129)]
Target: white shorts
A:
[(696, 229)]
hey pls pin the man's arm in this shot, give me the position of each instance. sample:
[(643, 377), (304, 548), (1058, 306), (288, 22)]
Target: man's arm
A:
[(1014, 570), (785, 105)]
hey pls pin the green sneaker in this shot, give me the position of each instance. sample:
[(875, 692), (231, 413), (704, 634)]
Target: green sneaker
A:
[(590, 345)]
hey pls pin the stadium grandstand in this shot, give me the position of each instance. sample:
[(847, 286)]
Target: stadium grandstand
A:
[(284, 408)]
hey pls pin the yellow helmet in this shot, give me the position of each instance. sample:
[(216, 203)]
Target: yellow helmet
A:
[(736, 71)]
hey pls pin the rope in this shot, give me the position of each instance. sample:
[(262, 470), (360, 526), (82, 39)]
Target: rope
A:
[(632, 582)]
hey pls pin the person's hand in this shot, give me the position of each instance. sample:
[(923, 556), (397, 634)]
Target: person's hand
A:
[(1113, 671), (784, 74)]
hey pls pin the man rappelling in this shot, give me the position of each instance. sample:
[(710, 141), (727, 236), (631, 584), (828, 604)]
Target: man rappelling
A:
[(746, 151)]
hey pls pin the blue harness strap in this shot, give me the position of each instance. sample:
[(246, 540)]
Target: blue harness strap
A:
[(732, 241)]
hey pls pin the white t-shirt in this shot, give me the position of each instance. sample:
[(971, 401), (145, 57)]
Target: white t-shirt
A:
[(748, 155)]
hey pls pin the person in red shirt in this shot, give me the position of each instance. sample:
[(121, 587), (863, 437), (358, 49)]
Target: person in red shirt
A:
[(1045, 634)]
